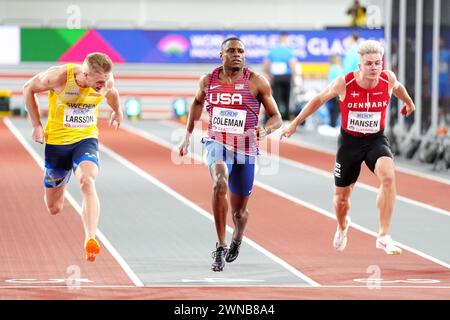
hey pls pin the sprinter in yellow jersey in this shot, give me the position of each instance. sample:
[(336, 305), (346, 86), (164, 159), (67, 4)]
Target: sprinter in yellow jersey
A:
[(71, 133)]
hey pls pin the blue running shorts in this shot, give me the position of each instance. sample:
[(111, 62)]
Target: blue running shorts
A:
[(61, 160), (241, 167)]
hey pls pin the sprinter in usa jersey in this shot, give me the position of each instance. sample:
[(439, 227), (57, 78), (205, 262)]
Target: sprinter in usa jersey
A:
[(364, 97), (232, 95)]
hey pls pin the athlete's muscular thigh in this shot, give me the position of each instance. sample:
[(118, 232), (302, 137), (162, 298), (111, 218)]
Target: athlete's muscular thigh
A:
[(348, 164)]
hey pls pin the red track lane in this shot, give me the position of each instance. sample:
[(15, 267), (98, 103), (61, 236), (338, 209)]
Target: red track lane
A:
[(226, 293), (416, 188), (410, 186), (34, 244), (296, 234)]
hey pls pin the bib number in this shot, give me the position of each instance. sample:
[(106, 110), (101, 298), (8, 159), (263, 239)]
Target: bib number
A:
[(364, 122), (79, 117), (228, 120)]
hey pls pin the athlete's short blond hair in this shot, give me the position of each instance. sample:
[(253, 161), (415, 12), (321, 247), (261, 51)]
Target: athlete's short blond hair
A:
[(370, 46), (97, 62)]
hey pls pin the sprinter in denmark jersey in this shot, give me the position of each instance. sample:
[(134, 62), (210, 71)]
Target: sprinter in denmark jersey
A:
[(232, 95), (364, 97)]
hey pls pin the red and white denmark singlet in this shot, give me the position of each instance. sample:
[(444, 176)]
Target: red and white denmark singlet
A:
[(364, 110), (233, 112)]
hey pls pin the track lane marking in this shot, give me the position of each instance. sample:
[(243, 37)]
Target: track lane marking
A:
[(146, 135), (126, 268), (203, 212)]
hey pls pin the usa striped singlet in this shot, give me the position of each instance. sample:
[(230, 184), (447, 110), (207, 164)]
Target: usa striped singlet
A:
[(233, 112)]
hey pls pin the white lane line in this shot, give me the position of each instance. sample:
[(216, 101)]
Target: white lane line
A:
[(147, 135), (361, 185), (134, 278), (220, 280), (422, 174), (282, 194), (75, 288), (398, 167), (354, 225), (312, 169), (203, 212)]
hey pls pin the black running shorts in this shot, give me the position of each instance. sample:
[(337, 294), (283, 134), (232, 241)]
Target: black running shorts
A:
[(353, 150)]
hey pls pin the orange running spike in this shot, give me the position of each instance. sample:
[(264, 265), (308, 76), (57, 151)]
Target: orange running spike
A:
[(92, 249)]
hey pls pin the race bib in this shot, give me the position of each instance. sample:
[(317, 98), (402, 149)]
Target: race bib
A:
[(364, 122), (79, 117), (278, 68), (228, 120)]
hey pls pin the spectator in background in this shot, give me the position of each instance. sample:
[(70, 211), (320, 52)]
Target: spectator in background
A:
[(351, 57), (358, 14), (336, 71), (279, 67), (443, 79)]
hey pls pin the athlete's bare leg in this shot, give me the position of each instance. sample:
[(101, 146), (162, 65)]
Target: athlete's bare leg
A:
[(54, 199), (341, 203), (240, 215), (385, 171), (86, 173), (219, 174)]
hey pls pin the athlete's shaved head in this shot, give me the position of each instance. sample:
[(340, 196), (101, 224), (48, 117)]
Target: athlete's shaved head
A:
[(233, 54), (228, 40)]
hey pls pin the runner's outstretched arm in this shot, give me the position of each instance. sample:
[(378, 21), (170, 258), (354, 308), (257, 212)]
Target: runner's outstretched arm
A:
[(41, 82), (400, 92), (334, 89), (113, 100)]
